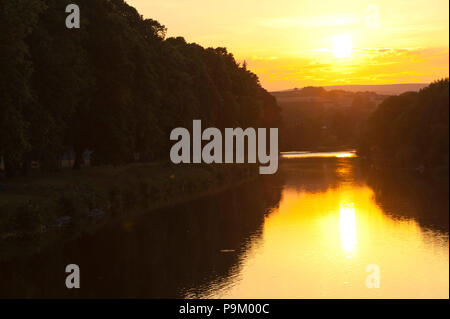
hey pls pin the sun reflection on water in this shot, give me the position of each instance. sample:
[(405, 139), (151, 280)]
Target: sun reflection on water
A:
[(347, 227), (318, 154), (318, 242)]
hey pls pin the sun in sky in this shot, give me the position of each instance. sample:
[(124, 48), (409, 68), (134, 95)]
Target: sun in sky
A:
[(296, 43), (342, 45)]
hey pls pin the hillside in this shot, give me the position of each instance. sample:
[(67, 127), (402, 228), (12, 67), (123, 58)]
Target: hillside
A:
[(314, 118), (385, 89), (116, 87)]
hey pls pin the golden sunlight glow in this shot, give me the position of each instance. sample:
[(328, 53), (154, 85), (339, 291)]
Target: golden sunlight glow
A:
[(347, 226), (318, 244), (291, 45), (320, 154), (350, 154), (342, 45)]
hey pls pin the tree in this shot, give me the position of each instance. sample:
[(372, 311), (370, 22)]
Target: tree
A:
[(17, 17)]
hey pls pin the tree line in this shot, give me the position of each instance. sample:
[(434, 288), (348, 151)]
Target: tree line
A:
[(116, 86), (411, 130), (317, 119)]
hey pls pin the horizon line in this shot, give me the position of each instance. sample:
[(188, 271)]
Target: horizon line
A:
[(355, 85)]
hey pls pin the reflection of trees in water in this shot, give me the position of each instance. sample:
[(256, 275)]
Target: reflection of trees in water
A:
[(177, 251), (319, 174), (399, 194), (163, 254), (408, 196)]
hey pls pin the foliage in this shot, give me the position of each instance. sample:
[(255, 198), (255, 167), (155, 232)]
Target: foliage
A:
[(316, 119), (115, 86), (411, 130)]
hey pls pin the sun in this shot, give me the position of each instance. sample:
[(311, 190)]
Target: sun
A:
[(342, 45)]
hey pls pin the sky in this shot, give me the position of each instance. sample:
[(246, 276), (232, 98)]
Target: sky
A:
[(297, 43)]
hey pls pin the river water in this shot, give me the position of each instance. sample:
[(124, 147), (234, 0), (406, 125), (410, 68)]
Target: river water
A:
[(325, 226)]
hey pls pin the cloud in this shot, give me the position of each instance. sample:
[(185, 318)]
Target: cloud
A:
[(368, 66), (311, 21)]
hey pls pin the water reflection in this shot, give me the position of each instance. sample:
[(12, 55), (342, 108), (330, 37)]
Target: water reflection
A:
[(342, 154), (328, 228), (347, 226), (166, 254), (308, 232)]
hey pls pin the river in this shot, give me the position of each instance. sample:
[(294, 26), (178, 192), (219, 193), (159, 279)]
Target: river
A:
[(322, 227)]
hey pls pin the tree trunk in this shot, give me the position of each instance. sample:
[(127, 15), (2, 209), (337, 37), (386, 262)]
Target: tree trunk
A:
[(26, 165), (10, 168), (79, 160)]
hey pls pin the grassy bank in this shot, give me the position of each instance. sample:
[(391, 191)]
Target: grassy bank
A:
[(37, 211)]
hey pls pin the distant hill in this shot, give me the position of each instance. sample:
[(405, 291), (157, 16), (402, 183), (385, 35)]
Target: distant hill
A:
[(385, 89), (315, 118)]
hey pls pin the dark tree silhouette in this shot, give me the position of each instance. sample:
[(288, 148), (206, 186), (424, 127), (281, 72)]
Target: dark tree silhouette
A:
[(115, 86), (411, 130)]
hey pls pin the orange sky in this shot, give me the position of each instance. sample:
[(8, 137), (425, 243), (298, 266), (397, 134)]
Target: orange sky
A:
[(295, 43)]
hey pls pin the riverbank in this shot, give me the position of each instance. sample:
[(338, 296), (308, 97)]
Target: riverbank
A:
[(437, 173), (38, 211)]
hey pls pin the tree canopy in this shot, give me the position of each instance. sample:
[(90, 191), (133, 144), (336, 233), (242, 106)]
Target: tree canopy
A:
[(115, 86), (411, 130)]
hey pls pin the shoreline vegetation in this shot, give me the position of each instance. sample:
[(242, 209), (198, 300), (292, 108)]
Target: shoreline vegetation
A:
[(112, 90), (118, 86), (410, 131), (115, 88), (41, 210)]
